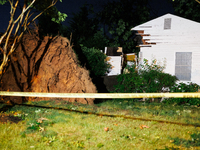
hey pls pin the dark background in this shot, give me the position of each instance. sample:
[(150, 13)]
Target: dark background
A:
[(158, 8)]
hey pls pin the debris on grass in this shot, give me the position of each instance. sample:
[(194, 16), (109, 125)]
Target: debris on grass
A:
[(143, 126)]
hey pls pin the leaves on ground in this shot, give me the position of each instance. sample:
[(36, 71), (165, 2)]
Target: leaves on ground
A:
[(143, 126)]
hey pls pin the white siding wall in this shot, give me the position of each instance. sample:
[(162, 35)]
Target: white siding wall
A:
[(115, 62), (182, 37), (196, 67), (168, 54)]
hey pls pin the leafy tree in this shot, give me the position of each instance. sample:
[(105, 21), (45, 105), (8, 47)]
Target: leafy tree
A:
[(120, 36), (84, 29), (133, 12), (30, 11), (83, 25), (187, 8), (97, 41), (118, 17), (110, 27)]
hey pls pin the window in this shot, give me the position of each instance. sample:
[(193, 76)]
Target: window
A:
[(183, 65), (167, 23)]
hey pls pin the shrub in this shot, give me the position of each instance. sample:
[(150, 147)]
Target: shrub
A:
[(182, 87), (97, 64), (130, 82), (144, 78), (154, 77)]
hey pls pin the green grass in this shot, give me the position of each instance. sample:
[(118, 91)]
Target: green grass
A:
[(49, 127)]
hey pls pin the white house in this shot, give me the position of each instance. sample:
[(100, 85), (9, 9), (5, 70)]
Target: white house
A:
[(176, 41)]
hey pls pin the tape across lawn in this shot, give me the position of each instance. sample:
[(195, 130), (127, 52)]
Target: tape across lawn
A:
[(101, 95)]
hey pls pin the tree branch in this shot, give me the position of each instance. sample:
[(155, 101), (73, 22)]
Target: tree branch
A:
[(197, 1), (25, 10), (52, 4), (7, 35)]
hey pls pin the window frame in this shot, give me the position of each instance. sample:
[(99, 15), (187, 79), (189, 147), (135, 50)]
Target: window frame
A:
[(167, 23), (183, 65)]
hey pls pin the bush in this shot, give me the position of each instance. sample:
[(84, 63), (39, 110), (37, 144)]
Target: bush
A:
[(150, 78), (147, 78), (131, 82), (97, 64), (182, 87), (154, 77)]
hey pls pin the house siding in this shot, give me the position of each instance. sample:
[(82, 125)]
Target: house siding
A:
[(167, 57), (182, 36)]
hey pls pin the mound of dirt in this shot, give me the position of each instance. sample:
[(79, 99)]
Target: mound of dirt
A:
[(46, 65)]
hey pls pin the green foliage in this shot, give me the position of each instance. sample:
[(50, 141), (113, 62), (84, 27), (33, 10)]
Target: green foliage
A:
[(88, 132), (60, 17), (121, 35), (78, 144), (118, 17), (33, 127), (56, 15), (96, 61), (82, 26), (193, 141), (189, 9), (133, 12), (130, 82), (154, 77), (49, 133), (144, 78), (182, 87), (100, 145), (47, 26), (97, 41), (84, 30), (2, 2), (116, 23)]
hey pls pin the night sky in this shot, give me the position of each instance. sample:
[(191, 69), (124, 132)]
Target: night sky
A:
[(73, 6)]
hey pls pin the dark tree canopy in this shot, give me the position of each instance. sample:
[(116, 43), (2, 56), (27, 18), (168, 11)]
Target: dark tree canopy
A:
[(189, 9)]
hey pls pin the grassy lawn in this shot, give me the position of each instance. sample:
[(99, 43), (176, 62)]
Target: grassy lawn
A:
[(57, 124)]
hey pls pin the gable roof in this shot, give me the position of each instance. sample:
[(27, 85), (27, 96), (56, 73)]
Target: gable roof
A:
[(168, 29), (176, 23)]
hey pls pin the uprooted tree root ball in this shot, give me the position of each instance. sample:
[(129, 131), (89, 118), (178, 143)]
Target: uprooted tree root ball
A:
[(46, 65)]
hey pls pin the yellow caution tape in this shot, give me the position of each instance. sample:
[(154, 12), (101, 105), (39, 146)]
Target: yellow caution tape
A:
[(101, 95)]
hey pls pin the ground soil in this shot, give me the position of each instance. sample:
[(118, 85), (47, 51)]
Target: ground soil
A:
[(9, 118)]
